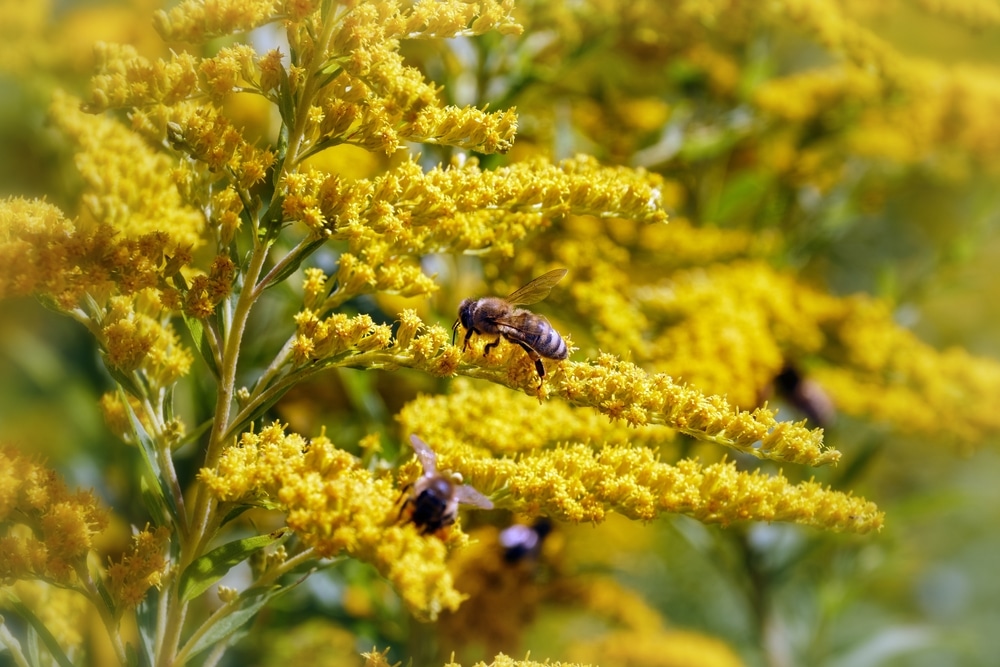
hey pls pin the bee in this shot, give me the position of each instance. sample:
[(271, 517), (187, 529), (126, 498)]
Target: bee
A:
[(497, 316), (434, 498), (521, 542), (806, 395)]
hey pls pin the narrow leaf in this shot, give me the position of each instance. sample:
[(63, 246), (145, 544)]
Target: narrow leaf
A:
[(248, 604), (43, 632), (157, 484), (293, 265), (124, 380), (145, 618), (196, 328), (214, 565)]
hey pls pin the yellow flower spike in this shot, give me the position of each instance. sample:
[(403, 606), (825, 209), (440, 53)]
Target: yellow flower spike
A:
[(582, 482), (197, 20), (127, 79), (468, 128), (409, 324), (231, 67), (577, 484), (315, 287), (110, 155), (609, 384), (134, 340), (482, 417), (226, 209), (458, 207), (336, 506), (893, 376), (338, 333), (140, 568), (51, 530), (207, 291), (502, 660)]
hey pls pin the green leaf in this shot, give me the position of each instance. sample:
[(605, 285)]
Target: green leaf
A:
[(43, 633), (211, 567), (154, 503), (235, 513), (125, 380), (196, 328), (293, 265), (145, 618), (157, 486), (248, 604), (286, 104)]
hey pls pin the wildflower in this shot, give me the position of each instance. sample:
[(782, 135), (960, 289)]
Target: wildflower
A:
[(110, 154), (336, 506), (50, 531), (139, 569), (578, 482)]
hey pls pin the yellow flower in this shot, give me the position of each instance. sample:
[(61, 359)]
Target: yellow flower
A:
[(46, 255), (134, 340), (338, 507), (140, 569), (555, 474), (502, 660), (129, 185), (50, 530), (196, 20)]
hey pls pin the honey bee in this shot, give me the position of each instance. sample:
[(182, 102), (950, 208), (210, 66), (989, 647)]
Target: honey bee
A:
[(434, 497), (521, 542), (498, 316), (806, 395)]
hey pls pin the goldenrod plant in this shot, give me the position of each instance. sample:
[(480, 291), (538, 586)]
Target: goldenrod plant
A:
[(234, 237)]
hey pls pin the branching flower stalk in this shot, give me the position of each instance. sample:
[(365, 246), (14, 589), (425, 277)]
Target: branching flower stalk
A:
[(189, 228)]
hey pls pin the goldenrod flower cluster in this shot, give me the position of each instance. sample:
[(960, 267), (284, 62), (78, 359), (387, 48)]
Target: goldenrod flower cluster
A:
[(580, 482), (140, 569), (220, 259), (48, 531), (728, 328), (336, 507)]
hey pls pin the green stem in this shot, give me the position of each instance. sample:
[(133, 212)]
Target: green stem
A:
[(296, 254), (266, 579), (204, 508), (319, 56), (203, 516), (108, 617), (166, 463)]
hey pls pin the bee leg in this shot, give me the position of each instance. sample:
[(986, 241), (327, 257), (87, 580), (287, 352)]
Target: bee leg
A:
[(490, 346), (468, 337), (539, 367), (406, 503)]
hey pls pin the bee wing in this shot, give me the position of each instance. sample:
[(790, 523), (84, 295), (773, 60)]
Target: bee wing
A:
[(537, 289), (469, 496), (524, 322), (428, 459)]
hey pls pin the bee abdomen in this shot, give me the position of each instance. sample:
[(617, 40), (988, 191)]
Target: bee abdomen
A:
[(550, 344)]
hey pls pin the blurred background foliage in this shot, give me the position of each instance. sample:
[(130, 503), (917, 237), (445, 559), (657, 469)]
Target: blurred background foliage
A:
[(850, 144)]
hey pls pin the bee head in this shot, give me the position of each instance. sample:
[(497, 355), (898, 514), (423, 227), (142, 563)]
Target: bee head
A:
[(465, 310)]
